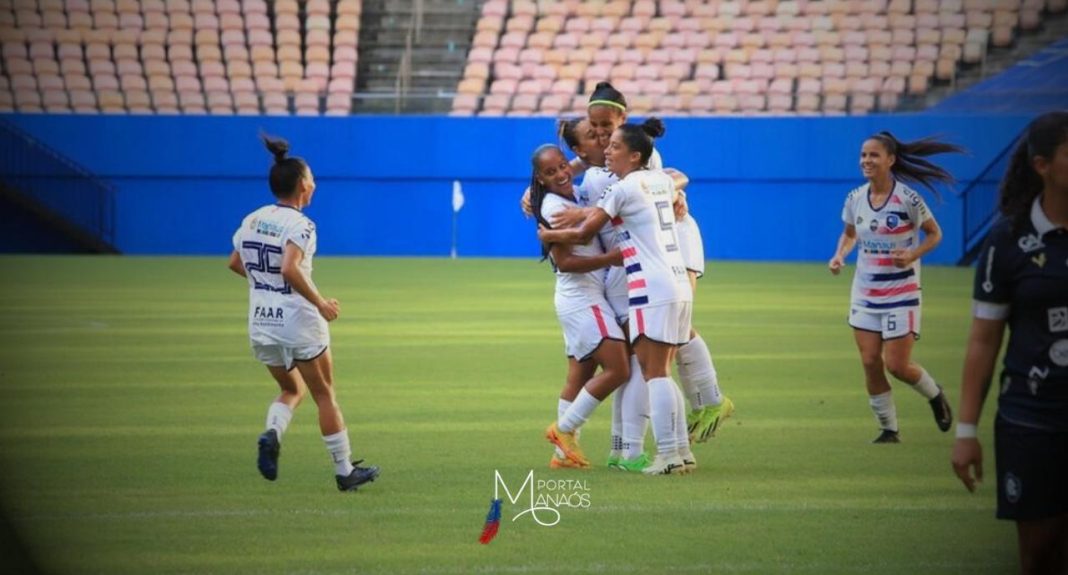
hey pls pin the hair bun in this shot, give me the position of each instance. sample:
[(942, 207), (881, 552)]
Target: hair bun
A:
[(277, 146), (654, 127)]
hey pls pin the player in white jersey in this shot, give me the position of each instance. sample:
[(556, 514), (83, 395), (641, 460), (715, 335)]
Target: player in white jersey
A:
[(885, 217), (591, 335), (607, 111), (288, 317), (640, 206)]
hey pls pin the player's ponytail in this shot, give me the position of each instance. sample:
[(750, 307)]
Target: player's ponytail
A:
[(910, 165), (287, 172), (565, 129), (1022, 184), (538, 192)]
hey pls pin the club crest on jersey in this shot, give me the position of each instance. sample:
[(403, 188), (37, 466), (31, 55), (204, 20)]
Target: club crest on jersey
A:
[(891, 221), (1030, 243), (874, 224)]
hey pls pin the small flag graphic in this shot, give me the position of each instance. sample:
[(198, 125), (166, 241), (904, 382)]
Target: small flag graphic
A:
[(493, 522)]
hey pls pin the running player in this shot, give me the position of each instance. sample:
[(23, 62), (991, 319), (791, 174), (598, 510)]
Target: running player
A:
[(640, 206), (607, 111), (886, 217), (287, 319), (1022, 283), (590, 330)]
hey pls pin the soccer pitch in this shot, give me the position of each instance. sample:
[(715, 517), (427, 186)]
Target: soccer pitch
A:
[(131, 407)]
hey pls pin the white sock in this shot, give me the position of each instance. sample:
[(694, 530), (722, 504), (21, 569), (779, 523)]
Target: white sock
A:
[(682, 434), (882, 406), (278, 416), (561, 408), (663, 406), (635, 411), (617, 422), (338, 446), (697, 374), (578, 412), (926, 386)]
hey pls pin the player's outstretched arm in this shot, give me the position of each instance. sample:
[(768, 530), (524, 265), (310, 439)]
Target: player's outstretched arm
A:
[(294, 276), (570, 217), (566, 261), (984, 342), (235, 264), (580, 235), (846, 241)]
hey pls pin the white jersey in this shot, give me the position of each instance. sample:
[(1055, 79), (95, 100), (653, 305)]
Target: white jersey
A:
[(574, 290), (595, 181), (641, 208), (277, 314), (878, 284)]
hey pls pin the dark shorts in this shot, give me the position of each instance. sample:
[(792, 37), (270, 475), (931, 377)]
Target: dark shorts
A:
[(1032, 467)]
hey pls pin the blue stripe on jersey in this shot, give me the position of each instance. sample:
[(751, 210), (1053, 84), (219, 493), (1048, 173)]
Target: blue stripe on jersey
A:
[(634, 268), (891, 305), (639, 300), (894, 276)]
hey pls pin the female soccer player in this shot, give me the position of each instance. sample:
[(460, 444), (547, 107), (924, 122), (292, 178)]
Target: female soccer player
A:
[(630, 403), (607, 111), (640, 206), (590, 330), (1022, 282), (886, 216), (273, 248)]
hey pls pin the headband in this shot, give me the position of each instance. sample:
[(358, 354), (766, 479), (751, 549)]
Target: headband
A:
[(607, 103)]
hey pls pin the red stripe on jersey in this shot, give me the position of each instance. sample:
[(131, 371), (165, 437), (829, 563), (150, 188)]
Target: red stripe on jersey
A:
[(617, 221), (600, 320), (641, 320), (912, 326), (630, 252), (882, 261), (895, 200), (636, 284), (895, 231), (908, 288)]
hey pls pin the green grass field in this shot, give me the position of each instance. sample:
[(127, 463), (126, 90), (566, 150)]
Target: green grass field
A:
[(131, 406)]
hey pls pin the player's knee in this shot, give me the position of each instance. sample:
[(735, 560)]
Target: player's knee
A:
[(871, 362), (898, 368)]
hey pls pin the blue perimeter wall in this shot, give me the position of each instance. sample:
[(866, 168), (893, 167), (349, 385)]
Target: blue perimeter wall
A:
[(761, 188)]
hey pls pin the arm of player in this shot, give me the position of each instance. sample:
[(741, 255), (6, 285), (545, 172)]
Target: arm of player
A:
[(524, 203), (984, 342), (846, 241), (570, 217), (235, 264), (566, 261), (932, 236), (294, 276), (578, 167), (681, 180), (580, 235)]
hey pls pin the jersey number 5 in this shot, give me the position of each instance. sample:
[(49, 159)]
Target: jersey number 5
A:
[(667, 224), (263, 266)]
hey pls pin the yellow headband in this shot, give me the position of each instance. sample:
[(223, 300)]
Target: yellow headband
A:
[(607, 103)]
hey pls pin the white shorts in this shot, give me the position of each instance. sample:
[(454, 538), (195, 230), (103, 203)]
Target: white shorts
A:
[(691, 246), (279, 356), (891, 323), (664, 323), (615, 291), (586, 328)]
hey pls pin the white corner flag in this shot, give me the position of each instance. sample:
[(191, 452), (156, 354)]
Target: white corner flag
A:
[(457, 205)]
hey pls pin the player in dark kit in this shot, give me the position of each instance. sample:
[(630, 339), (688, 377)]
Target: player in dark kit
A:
[(1022, 283)]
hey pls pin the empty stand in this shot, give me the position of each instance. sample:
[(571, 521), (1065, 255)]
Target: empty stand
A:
[(751, 57), (179, 56)]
